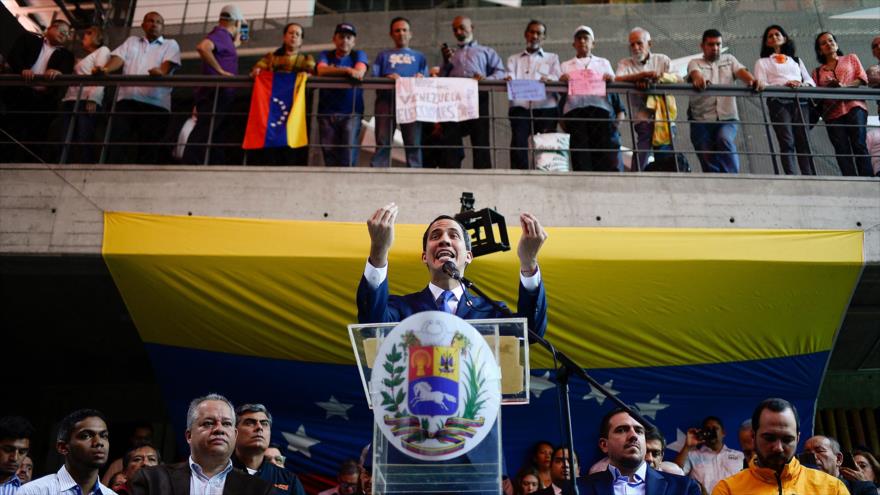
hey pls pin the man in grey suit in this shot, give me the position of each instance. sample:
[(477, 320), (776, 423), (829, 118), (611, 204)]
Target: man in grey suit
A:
[(622, 438), (211, 434)]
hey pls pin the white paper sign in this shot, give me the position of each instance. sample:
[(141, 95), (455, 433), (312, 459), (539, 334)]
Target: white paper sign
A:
[(436, 99)]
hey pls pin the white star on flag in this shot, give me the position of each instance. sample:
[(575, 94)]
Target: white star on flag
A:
[(300, 441), (538, 384), (335, 408), (649, 409), (595, 394)]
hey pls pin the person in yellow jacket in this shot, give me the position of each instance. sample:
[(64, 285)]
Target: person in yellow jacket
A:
[(774, 469)]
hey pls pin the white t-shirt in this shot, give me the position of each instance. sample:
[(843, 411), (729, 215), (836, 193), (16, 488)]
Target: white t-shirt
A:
[(84, 67), (593, 63), (709, 467)]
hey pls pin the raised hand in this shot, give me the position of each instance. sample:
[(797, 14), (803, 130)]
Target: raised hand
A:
[(533, 237), (381, 227)]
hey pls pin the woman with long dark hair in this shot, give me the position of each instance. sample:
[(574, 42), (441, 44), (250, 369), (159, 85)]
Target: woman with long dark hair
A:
[(778, 66), (845, 120), (289, 59)]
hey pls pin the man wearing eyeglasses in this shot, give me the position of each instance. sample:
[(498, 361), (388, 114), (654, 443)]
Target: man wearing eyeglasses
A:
[(273, 453), (347, 477), (254, 424)]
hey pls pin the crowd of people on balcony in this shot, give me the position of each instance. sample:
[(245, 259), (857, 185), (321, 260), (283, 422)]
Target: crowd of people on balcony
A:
[(230, 451), (142, 114)]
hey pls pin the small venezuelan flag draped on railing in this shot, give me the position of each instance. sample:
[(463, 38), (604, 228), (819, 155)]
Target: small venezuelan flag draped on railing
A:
[(278, 112)]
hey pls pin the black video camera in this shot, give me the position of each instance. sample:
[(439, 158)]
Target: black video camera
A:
[(707, 435)]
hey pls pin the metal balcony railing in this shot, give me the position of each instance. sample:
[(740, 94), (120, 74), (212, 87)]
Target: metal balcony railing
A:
[(756, 142)]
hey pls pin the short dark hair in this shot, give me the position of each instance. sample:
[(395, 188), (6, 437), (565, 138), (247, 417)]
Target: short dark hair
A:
[(15, 427), (349, 466), (301, 28), (126, 459), (398, 19), (464, 232), (715, 419), (59, 21), (251, 408), (535, 21), (788, 47), (711, 33), (605, 425), (65, 429), (821, 58), (774, 404), (654, 434)]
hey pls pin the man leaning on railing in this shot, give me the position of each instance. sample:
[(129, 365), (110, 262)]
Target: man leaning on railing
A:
[(142, 112)]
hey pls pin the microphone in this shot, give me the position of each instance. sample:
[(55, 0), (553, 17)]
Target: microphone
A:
[(450, 269)]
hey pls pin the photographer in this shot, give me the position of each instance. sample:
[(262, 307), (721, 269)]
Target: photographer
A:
[(705, 458)]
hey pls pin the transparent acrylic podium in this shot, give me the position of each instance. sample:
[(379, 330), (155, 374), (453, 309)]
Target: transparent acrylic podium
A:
[(475, 472)]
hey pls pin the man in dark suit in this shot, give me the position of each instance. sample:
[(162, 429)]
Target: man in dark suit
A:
[(33, 55), (444, 240), (622, 438), (211, 434)]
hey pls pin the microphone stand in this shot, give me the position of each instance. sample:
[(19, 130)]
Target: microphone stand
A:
[(567, 367)]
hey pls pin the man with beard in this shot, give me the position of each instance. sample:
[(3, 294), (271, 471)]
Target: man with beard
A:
[(776, 429), (444, 240), (643, 68), (15, 442), (622, 438), (254, 423), (471, 60), (84, 442), (211, 434)]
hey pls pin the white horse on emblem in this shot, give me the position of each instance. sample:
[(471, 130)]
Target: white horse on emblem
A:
[(423, 393)]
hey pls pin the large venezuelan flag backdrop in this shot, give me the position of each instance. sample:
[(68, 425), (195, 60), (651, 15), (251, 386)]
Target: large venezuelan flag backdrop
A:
[(682, 323)]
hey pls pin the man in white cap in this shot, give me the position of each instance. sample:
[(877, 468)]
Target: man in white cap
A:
[(219, 58), (592, 145)]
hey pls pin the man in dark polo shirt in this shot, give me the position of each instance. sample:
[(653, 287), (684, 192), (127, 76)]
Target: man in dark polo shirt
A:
[(254, 423), (219, 58)]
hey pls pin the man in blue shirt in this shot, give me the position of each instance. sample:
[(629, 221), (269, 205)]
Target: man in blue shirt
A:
[(473, 60), (340, 110), (402, 61)]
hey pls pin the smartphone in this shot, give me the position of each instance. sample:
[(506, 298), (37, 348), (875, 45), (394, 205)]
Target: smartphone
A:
[(808, 459), (243, 30), (849, 461)]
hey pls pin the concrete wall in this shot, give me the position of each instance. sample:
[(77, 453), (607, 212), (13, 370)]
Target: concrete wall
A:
[(58, 211)]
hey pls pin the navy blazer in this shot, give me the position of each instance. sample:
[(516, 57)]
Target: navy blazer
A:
[(656, 483), (376, 306)]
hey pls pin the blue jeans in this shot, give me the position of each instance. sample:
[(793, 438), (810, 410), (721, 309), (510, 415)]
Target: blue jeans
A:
[(339, 139), (715, 144), (412, 136), (851, 140), (789, 121)]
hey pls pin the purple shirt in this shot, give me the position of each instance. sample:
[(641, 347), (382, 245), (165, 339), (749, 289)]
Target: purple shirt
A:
[(226, 55)]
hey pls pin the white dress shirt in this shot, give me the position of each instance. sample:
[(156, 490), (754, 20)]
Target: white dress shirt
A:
[(772, 73), (375, 277), (633, 485), (709, 467), (534, 66), (84, 67), (200, 484), (42, 62), (60, 483), (141, 55)]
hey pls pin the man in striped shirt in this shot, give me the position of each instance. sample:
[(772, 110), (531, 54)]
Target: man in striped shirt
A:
[(15, 440)]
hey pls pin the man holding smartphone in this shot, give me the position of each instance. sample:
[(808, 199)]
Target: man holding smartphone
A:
[(831, 460)]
